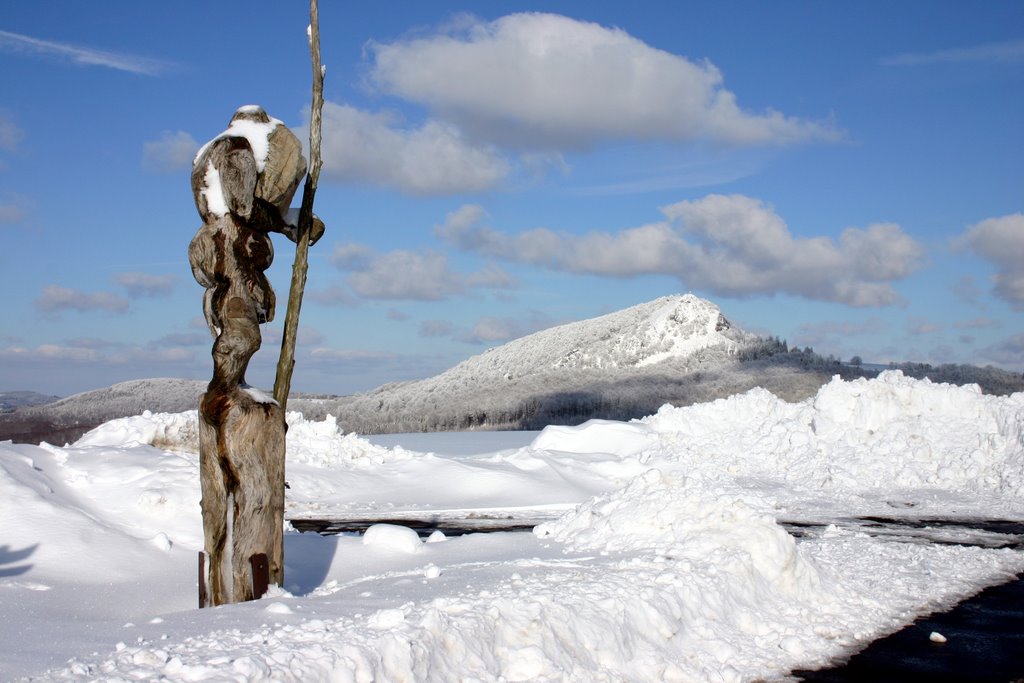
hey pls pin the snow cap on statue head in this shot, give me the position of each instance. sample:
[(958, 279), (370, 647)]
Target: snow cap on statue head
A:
[(251, 112)]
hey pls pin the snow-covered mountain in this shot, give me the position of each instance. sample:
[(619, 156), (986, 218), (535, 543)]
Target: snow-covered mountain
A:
[(666, 328), (679, 349)]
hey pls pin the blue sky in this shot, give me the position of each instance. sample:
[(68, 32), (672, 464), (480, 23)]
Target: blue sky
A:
[(843, 175)]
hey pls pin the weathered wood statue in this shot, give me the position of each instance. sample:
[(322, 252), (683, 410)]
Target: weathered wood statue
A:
[(243, 182)]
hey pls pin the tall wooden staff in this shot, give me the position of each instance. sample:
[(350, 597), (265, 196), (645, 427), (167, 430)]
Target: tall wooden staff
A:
[(286, 361)]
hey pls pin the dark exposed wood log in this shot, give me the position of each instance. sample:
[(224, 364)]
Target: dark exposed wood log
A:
[(204, 581), (260, 566)]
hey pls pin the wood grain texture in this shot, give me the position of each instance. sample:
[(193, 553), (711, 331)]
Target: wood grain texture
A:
[(241, 462), (241, 433)]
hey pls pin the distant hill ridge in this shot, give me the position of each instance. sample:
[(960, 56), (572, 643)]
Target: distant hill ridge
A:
[(68, 418), (677, 349), (11, 400)]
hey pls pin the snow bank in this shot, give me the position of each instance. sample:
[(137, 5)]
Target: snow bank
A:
[(597, 436), (884, 433), (683, 517), (322, 444), (171, 431), (393, 537), (318, 443), (709, 589), (896, 430), (88, 509)]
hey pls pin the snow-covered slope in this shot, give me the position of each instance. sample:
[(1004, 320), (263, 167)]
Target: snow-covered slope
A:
[(670, 327), (161, 395)]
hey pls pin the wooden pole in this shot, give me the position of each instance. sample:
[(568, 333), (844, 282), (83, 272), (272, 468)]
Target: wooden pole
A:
[(286, 361)]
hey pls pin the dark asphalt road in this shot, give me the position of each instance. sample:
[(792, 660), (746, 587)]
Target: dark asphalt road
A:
[(984, 643)]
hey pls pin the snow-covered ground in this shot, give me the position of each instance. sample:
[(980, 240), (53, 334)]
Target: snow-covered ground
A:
[(664, 556)]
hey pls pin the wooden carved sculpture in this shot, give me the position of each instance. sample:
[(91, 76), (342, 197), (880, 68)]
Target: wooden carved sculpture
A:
[(242, 182)]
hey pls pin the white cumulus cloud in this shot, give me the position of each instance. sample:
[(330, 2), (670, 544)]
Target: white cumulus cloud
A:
[(430, 159), (729, 245), (403, 274), (1000, 241), (172, 151), (537, 80)]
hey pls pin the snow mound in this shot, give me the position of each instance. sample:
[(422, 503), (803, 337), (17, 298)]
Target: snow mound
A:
[(683, 518), (171, 431), (319, 443), (914, 433), (889, 432), (393, 537), (671, 567), (597, 436)]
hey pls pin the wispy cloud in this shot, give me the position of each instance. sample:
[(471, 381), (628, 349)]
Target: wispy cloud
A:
[(683, 180), (833, 332), (490, 330), (436, 328), (107, 355), (1008, 352), (13, 208), (56, 298), (173, 151), (923, 327), (1011, 51), (352, 357), (143, 284), (410, 275), (980, 323), (10, 134), (84, 56)]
